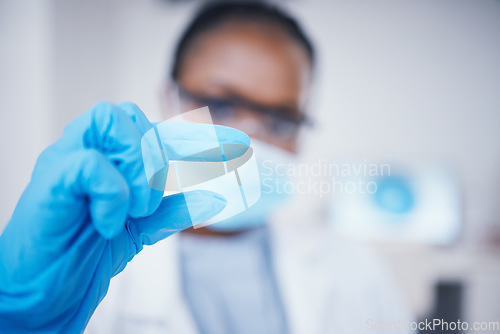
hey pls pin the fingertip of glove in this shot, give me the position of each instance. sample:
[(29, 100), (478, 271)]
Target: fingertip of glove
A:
[(228, 135), (128, 106), (204, 205)]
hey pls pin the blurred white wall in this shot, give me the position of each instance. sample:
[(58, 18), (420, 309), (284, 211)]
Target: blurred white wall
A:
[(25, 80), (397, 80), (414, 81)]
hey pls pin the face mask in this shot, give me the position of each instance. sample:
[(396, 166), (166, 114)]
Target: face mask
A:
[(273, 163)]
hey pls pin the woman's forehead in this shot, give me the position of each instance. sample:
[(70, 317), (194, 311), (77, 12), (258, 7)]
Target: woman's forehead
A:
[(254, 59)]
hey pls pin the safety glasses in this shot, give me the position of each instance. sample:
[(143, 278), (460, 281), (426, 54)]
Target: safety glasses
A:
[(283, 123)]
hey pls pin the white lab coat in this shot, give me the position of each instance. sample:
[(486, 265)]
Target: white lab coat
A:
[(327, 285)]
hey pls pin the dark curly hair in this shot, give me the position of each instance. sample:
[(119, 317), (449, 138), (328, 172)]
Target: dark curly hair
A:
[(215, 13)]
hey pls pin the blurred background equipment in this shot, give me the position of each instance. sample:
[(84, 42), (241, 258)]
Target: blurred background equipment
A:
[(448, 306), (419, 204)]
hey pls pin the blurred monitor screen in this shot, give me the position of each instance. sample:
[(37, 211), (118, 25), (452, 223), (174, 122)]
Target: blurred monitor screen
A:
[(417, 204)]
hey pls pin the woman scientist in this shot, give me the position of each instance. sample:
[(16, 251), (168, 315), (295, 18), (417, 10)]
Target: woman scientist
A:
[(251, 64)]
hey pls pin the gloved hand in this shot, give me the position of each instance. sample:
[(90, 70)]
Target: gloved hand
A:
[(87, 211)]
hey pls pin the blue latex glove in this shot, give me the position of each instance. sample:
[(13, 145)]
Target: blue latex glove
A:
[(87, 211)]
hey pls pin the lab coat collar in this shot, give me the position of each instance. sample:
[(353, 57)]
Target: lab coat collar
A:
[(301, 273)]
